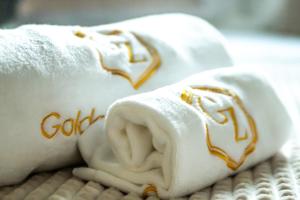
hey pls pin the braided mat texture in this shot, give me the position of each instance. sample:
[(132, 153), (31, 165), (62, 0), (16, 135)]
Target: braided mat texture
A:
[(276, 178)]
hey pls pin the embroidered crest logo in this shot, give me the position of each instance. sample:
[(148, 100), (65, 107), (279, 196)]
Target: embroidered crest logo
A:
[(125, 54), (225, 117)]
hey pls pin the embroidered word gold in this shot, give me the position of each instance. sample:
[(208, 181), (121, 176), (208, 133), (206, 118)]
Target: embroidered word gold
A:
[(227, 114), (68, 126), (149, 70)]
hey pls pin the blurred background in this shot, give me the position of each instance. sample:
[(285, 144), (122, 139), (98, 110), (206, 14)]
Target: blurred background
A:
[(269, 15), (259, 31), (262, 33)]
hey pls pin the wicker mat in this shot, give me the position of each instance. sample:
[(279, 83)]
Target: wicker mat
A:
[(276, 178)]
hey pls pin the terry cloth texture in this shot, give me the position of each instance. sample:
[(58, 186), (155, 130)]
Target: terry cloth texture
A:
[(277, 178), (181, 138), (55, 81)]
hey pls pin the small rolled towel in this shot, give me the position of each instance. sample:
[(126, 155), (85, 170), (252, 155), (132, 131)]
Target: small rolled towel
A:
[(184, 137), (55, 81)]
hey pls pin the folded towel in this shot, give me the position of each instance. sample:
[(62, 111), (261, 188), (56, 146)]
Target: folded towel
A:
[(55, 81), (183, 137)]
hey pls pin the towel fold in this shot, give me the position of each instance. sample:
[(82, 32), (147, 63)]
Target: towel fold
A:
[(184, 137), (56, 81)]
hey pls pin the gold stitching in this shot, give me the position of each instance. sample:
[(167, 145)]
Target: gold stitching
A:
[(149, 71), (76, 124), (230, 162), (211, 117), (150, 190), (155, 63), (131, 54), (43, 131), (63, 130), (79, 34), (187, 96)]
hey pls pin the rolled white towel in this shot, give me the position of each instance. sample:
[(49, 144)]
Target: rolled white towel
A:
[(55, 81), (184, 137)]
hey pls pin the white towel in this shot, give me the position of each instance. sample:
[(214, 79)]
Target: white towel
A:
[(184, 137), (55, 81)]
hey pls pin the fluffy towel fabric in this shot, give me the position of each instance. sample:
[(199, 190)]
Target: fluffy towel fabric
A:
[(55, 81), (183, 137)]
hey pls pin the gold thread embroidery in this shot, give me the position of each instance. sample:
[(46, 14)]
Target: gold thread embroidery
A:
[(150, 190), (75, 125), (80, 131), (211, 117), (187, 96), (149, 71), (64, 131), (43, 131), (230, 162), (91, 120), (77, 122), (79, 34), (232, 115), (131, 57), (154, 65)]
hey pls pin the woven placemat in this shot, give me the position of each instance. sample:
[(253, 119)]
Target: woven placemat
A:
[(276, 178)]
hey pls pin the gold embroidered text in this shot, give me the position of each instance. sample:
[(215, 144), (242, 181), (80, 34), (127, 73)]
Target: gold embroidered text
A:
[(68, 126)]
